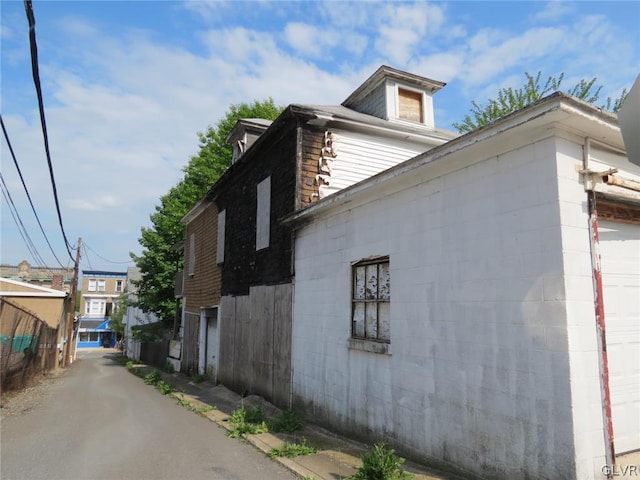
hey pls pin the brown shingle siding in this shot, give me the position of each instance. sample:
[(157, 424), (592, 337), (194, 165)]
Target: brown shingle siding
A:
[(202, 289)]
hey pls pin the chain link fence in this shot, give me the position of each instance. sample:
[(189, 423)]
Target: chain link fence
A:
[(28, 346)]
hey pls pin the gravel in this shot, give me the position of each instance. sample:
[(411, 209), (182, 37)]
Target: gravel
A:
[(19, 402)]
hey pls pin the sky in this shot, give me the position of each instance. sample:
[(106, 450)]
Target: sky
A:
[(128, 84)]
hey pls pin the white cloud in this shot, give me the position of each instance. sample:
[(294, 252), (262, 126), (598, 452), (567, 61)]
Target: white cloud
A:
[(404, 26), (517, 51), (346, 15), (6, 32), (322, 42), (440, 66), (554, 11), (123, 107)]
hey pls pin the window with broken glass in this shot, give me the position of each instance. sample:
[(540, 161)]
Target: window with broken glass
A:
[(371, 295)]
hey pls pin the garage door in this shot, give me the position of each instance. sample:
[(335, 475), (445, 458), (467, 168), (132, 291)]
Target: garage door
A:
[(620, 263)]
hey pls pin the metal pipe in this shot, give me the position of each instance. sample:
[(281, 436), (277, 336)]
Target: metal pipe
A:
[(603, 359), (621, 182)]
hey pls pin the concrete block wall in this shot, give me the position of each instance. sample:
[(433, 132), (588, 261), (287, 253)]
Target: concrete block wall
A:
[(479, 370)]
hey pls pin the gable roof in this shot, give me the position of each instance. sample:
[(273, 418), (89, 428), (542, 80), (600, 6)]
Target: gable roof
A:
[(319, 116), (16, 288), (576, 115)]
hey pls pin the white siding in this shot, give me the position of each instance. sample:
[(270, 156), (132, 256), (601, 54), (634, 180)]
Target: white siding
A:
[(360, 156), (374, 103), (479, 372)]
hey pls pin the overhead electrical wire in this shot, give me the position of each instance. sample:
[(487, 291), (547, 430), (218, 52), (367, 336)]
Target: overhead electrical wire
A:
[(102, 258), (37, 258), (36, 80), (86, 256), (24, 185)]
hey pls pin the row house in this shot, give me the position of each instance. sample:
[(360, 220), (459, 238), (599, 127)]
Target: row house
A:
[(469, 300), (100, 292), (238, 276)]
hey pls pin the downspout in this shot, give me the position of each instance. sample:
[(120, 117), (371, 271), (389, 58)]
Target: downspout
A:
[(603, 360)]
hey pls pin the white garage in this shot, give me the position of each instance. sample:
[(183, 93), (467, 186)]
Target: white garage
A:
[(620, 264)]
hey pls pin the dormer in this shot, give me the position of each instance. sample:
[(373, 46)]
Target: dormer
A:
[(396, 96), (244, 133)]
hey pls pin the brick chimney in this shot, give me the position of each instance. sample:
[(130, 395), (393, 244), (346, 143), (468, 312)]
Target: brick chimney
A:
[(57, 281)]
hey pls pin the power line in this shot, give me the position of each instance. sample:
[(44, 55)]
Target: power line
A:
[(37, 258), (15, 161), (101, 257), (36, 80)]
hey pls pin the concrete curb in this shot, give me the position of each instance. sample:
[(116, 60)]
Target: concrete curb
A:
[(337, 457)]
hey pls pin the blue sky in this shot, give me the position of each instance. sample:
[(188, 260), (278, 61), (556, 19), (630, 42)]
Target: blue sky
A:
[(127, 84)]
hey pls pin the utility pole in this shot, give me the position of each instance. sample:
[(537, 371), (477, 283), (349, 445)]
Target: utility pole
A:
[(74, 293)]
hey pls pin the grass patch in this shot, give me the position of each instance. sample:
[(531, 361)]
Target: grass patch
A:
[(286, 422), (291, 450), (381, 464), (152, 378), (247, 421), (199, 409), (164, 387)]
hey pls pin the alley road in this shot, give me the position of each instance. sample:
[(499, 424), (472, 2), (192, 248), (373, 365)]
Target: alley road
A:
[(102, 422)]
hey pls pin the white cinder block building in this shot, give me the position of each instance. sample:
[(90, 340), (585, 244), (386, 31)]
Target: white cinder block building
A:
[(479, 303)]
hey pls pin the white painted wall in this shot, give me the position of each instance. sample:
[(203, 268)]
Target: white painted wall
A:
[(360, 156), (491, 343), (133, 317)]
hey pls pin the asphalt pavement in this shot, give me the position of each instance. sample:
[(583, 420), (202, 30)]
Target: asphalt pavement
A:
[(101, 422)]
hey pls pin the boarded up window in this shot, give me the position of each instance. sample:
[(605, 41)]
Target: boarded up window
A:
[(192, 254), (263, 213), (410, 105), (222, 220), (371, 294)]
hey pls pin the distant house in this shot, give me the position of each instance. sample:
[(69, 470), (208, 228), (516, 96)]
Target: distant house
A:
[(237, 284), (100, 291), (49, 277), (479, 304)]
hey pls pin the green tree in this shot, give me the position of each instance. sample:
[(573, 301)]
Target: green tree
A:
[(116, 322), (511, 99), (159, 260)]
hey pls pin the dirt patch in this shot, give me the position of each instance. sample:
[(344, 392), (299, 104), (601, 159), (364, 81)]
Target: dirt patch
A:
[(18, 402)]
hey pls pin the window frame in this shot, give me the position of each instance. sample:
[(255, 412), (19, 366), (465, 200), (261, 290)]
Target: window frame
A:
[(363, 341), (95, 307)]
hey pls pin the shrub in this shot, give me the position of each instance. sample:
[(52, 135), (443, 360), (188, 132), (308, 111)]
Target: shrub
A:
[(381, 464)]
